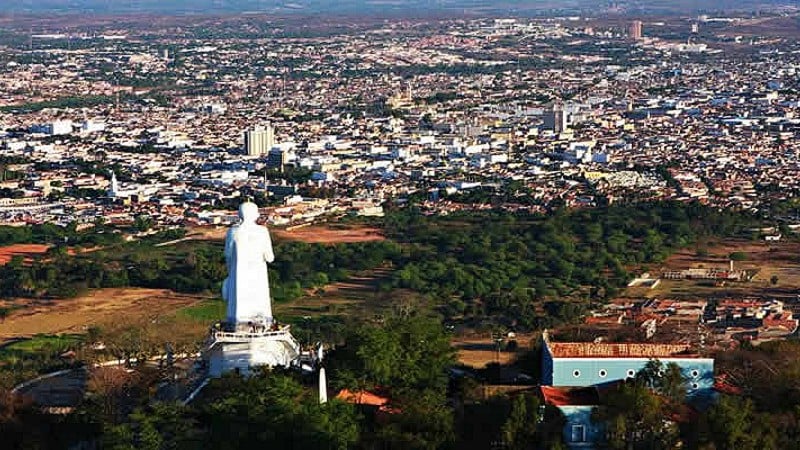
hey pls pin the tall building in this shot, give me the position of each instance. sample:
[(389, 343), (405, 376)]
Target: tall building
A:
[(277, 158), (259, 140), (556, 118), (635, 30)]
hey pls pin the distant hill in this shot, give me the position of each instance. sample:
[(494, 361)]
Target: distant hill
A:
[(371, 7)]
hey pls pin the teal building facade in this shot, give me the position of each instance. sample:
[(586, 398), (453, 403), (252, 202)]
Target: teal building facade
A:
[(569, 366)]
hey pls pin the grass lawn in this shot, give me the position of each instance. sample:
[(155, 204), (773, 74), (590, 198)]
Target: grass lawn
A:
[(25, 359), (207, 312), (41, 343)]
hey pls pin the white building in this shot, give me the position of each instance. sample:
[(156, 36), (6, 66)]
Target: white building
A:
[(259, 140), (57, 128), (90, 126)]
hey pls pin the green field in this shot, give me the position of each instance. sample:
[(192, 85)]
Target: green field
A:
[(23, 360), (41, 343), (207, 312)]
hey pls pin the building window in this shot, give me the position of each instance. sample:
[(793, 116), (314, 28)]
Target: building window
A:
[(695, 373), (631, 373), (578, 433), (603, 373), (576, 373)]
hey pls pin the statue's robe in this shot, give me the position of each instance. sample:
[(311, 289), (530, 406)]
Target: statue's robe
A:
[(248, 249)]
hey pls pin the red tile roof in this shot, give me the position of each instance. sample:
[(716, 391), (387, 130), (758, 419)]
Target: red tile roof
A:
[(721, 385), (624, 350), (369, 399), (564, 396), (362, 398)]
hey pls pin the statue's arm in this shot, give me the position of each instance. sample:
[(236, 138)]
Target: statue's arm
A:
[(269, 256), (228, 247)]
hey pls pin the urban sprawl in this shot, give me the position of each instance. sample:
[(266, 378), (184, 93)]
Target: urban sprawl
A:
[(452, 115)]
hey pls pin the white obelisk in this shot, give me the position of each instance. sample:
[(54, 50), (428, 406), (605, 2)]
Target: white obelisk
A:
[(323, 386)]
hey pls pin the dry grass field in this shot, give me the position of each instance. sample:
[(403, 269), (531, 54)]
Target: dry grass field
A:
[(99, 307), (112, 307), (477, 352), (28, 251), (779, 259), (785, 26)]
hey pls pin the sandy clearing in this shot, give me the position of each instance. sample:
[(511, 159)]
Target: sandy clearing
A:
[(25, 250), (326, 235), (95, 308), (477, 352), (759, 253)]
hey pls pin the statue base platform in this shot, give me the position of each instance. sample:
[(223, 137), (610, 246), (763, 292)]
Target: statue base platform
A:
[(241, 351)]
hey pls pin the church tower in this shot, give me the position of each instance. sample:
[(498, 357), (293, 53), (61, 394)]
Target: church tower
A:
[(113, 190)]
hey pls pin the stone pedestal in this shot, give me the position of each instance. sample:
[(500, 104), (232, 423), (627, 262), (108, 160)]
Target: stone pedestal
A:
[(242, 351)]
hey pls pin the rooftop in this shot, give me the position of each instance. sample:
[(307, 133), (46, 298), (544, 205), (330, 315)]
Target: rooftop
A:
[(618, 350), (362, 398), (568, 396), (626, 350)]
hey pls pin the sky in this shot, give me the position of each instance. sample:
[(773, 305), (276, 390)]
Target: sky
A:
[(372, 6)]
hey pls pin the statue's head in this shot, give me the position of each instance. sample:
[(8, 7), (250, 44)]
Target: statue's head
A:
[(248, 212)]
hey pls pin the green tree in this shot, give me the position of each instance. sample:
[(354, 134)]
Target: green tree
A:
[(521, 429), (738, 256), (160, 426), (665, 379), (143, 223), (273, 410), (734, 425), (406, 352), (634, 419), (420, 421)]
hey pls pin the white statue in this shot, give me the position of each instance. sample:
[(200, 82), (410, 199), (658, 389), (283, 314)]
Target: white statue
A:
[(248, 249)]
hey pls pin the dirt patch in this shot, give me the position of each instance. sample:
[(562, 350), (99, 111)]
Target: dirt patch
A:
[(328, 235), (25, 250), (209, 233), (28, 251), (313, 234), (717, 256), (479, 352), (765, 27), (96, 308)]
